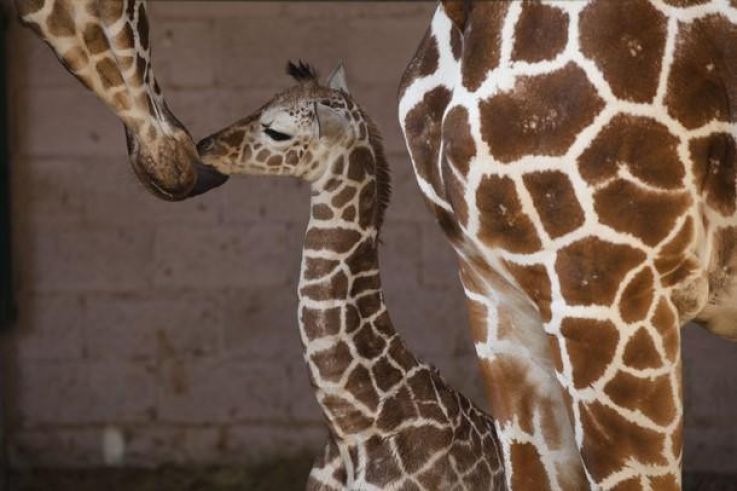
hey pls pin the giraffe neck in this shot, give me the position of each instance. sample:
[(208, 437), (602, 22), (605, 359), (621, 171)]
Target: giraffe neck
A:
[(346, 331)]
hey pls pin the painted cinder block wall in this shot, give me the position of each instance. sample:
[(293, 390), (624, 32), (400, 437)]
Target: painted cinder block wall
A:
[(174, 325)]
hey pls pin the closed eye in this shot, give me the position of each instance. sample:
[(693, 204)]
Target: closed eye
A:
[(276, 135)]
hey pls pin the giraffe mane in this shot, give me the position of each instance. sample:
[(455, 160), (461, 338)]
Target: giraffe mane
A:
[(301, 71), (382, 171)]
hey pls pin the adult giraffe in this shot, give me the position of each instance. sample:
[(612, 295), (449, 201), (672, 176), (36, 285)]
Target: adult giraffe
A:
[(105, 45), (581, 158)]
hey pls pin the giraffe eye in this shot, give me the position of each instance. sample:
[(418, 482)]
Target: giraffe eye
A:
[(276, 135)]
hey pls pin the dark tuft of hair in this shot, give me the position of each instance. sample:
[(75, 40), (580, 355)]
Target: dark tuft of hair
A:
[(383, 174), (301, 71)]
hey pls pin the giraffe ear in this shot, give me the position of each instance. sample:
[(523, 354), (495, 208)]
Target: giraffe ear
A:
[(336, 80), (330, 123)]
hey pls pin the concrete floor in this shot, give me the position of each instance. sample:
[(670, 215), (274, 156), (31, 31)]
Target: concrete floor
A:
[(282, 475)]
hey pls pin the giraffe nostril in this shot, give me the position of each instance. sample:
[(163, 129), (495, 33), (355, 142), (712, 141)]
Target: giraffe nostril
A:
[(205, 145)]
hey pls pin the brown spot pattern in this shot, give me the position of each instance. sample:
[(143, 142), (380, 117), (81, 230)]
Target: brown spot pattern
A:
[(360, 386), (482, 42), (125, 39), (640, 351), (555, 201), (456, 194), (477, 314), (109, 74), (456, 43), (591, 345), (643, 145), (386, 374), (143, 26), (367, 207), (360, 161), (456, 11), (110, 11), (510, 390), (457, 140), (637, 297), (368, 344), (423, 128), (703, 84), (715, 171), (685, 3), (344, 196), (319, 323), (665, 321), (535, 281), (610, 441), (557, 356), (425, 57), (649, 216), (332, 361), (529, 472), (429, 62), (591, 270), (629, 485), (334, 239), (336, 286), (416, 445), (75, 59), (322, 212), (346, 418), (543, 115), (26, 7), (95, 39), (60, 21), (623, 38), (541, 33), (380, 470), (665, 483), (274, 161), (653, 397), (503, 222), (673, 253)]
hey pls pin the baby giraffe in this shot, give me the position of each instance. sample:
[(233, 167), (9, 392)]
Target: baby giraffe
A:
[(394, 422)]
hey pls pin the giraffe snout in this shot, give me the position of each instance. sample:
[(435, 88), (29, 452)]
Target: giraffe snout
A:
[(207, 179)]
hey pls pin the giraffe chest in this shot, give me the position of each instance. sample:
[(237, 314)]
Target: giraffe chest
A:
[(460, 456)]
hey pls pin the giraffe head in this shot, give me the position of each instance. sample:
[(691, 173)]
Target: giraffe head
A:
[(106, 46), (313, 132), (165, 160)]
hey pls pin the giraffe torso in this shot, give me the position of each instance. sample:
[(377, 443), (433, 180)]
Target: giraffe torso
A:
[(427, 437), (581, 158)]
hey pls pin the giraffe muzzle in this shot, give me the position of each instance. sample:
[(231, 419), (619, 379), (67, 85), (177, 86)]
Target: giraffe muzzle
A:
[(171, 169), (207, 178)]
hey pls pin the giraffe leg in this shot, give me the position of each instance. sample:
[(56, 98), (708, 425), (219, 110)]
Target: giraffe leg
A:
[(622, 383), (525, 398), (328, 473)]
